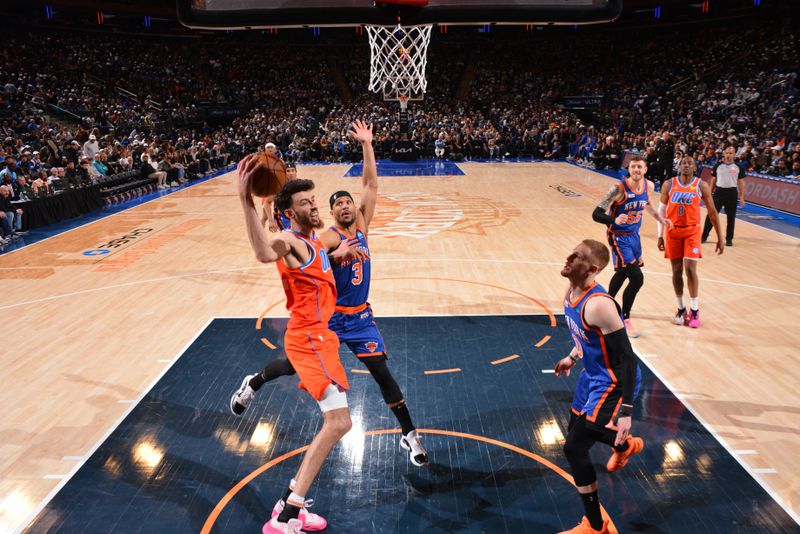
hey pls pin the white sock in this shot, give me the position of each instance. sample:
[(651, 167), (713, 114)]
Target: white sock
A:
[(693, 303), (681, 305), (296, 500)]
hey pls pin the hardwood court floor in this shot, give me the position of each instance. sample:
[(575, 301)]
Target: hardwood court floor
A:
[(90, 333)]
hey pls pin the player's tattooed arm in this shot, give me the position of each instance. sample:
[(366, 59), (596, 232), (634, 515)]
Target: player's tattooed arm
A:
[(600, 212), (611, 196)]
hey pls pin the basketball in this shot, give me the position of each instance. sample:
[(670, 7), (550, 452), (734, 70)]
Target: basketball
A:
[(269, 177)]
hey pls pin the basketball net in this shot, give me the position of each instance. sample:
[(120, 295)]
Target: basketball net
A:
[(398, 57)]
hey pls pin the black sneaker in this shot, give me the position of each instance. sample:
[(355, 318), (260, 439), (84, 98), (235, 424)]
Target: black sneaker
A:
[(729, 243)]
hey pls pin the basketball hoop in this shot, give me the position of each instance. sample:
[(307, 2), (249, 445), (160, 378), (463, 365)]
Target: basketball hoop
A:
[(398, 57)]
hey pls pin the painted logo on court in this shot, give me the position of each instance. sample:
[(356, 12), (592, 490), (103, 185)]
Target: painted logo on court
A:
[(564, 190), (421, 215), (110, 246)]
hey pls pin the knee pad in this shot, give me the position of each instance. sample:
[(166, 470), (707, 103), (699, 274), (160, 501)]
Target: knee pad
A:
[(380, 372), (332, 399), (635, 275)]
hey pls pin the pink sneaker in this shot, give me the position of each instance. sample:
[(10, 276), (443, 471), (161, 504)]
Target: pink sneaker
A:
[(308, 520), (694, 319), (273, 526), (632, 332)]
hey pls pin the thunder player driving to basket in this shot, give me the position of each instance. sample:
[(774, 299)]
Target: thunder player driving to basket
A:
[(352, 320), (311, 347)]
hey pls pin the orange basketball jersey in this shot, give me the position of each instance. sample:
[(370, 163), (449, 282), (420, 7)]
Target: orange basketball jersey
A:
[(310, 289), (683, 206)]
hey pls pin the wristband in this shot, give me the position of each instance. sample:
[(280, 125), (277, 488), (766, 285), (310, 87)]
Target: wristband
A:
[(625, 411), (574, 358)]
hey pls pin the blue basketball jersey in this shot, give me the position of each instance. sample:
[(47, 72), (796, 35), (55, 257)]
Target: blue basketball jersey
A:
[(589, 340), (352, 277), (283, 222), (633, 205)]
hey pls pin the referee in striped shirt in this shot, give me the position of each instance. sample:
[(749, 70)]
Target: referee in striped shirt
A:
[(727, 186)]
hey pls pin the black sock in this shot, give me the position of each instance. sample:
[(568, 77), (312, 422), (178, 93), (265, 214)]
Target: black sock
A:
[(286, 495), (401, 412), (619, 448), (274, 369), (291, 511), (616, 282), (591, 507)]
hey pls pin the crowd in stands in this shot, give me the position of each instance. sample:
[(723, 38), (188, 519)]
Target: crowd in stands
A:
[(77, 107)]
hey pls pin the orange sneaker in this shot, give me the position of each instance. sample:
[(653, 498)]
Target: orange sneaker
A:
[(619, 459), (584, 527)]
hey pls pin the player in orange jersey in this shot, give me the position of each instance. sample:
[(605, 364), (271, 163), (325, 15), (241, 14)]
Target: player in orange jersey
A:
[(680, 199), (312, 349)]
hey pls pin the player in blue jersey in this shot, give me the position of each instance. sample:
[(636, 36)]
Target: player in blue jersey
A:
[(352, 320), (271, 216), (608, 383), (621, 211)]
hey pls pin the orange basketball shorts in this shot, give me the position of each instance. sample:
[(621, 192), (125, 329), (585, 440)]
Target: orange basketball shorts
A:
[(683, 242), (314, 354)]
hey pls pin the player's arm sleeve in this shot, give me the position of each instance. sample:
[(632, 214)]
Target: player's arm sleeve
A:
[(600, 216), (619, 345)]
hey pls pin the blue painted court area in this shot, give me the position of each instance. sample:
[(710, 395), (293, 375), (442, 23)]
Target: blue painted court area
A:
[(410, 168), (180, 451)]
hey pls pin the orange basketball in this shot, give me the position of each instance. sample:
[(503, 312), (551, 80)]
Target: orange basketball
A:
[(270, 175)]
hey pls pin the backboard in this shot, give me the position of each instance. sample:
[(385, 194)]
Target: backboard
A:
[(253, 14)]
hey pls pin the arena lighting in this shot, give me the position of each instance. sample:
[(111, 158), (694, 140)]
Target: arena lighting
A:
[(48, 10), (100, 18), (147, 21), (657, 12)]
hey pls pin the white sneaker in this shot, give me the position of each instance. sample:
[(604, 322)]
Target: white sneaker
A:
[(416, 452), (243, 396)]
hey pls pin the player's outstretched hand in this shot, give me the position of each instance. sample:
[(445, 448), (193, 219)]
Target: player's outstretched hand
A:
[(720, 248), (564, 365), (623, 429), (348, 250), (246, 171), (361, 131)]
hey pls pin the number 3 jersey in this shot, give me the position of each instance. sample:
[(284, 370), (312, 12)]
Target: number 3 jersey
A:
[(353, 321), (352, 277)]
